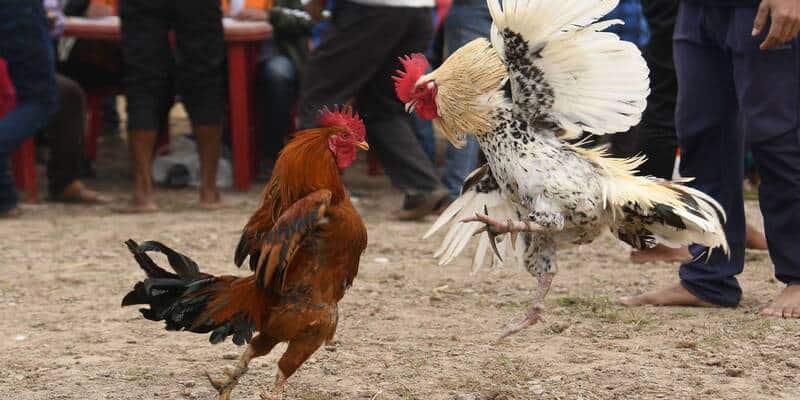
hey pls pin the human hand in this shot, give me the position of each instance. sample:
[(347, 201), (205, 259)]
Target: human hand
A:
[(785, 21), (99, 10), (252, 14)]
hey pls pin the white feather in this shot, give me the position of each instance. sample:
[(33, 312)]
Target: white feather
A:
[(459, 234), (600, 83)]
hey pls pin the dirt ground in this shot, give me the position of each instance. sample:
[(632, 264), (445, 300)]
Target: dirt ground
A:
[(408, 329)]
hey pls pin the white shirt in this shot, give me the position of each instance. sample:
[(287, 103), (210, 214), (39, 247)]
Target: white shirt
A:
[(235, 6), (396, 3)]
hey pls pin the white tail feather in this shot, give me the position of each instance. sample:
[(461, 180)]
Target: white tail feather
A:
[(459, 234)]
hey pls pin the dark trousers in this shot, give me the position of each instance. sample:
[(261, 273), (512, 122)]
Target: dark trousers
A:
[(149, 59), (721, 74), (65, 136), (656, 132), (277, 82), (356, 60), (25, 46)]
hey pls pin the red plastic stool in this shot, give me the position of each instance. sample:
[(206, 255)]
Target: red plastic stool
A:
[(23, 164)]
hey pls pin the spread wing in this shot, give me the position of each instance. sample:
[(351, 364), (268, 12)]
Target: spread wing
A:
[(271, 251), (564, 70), (480, 192)]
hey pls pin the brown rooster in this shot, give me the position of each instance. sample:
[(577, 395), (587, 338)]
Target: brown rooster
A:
[(304, 243)]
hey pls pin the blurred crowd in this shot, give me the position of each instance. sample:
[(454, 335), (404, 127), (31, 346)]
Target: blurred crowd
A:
[(346, 66), (735, 115)]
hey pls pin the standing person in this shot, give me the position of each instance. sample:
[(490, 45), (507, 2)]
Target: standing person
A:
[(739, 57), (656, 137), (148, 61), (26, 48), (355, 60)]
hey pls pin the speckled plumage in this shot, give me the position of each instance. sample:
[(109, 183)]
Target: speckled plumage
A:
[(563, 77)]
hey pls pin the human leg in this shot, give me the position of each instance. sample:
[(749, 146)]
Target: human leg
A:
[(349, 63), (29, 58), (277, 83), (712, 153), (657, 130), (779, 198), (148, 63), (389, 128), (768, 87), (466, 21), (65, 136), (200, 41)]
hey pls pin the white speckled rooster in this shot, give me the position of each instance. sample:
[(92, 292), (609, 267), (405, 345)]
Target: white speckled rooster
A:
[(550, 74)]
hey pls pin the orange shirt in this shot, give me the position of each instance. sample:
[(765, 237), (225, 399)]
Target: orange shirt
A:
[(111, 3), (260, 4)]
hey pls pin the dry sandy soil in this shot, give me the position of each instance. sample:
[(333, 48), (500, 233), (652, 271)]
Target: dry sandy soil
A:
[(408, 329)]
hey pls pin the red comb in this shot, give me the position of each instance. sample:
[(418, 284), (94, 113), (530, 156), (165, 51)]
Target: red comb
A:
[(415, 66), (343, 116)]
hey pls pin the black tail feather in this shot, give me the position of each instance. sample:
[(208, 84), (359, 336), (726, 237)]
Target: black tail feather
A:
[(180, 300), (184, 266), (146, 263)]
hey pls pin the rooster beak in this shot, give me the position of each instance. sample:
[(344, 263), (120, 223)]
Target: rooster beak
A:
[(410, 106), (363, 145)]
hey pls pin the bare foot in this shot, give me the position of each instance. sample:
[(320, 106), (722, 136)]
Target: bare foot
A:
[(12, 213), (77, 192), (210, 199), (675, 295), (137, 207), (786, 305), (660, 253), (141, 203), (755, 239)]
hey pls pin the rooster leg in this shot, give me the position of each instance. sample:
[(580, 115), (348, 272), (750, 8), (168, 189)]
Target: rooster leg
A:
[(259, 346), (280, 383), (534, 314), (296, 354), (225, 385)]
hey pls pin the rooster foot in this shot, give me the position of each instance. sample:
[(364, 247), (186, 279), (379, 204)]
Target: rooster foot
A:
[(225, 385), (280, 382), (495, 228), (531, 318), (267, 396)]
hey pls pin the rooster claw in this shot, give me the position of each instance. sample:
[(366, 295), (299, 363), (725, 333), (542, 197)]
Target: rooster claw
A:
[(266, 396), (529, 320), (218, 384), (488, 228), (224, 386)]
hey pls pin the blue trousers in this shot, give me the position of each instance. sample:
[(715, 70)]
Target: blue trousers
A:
[(466, 21), (25, 45), (722, 73)]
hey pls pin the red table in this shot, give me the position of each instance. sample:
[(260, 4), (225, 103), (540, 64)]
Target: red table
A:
[(243, 41)]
